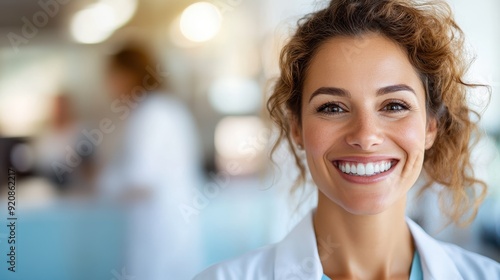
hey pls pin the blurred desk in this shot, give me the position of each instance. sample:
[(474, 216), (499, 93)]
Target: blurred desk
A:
[(68, 240)]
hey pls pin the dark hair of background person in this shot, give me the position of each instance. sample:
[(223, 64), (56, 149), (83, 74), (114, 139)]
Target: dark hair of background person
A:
[(135, 60)]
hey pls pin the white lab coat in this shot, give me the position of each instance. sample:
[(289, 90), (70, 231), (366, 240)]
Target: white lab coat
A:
[(296, 257)]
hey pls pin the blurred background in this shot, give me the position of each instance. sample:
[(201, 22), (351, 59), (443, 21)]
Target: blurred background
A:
[(139, 142)]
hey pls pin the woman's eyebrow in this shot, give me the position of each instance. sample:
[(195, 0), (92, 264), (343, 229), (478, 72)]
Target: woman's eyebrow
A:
[(330, 91), (395, 88), (345, 93)]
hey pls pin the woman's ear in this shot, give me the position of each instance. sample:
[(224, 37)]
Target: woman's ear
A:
[(296, 130), (431, 132)]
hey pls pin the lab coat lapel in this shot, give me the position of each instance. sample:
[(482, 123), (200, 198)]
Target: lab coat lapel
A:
[(297, 255), (436, 263)]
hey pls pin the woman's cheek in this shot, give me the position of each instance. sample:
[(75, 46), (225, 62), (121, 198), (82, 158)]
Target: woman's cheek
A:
[(317, 137), (410, 136)]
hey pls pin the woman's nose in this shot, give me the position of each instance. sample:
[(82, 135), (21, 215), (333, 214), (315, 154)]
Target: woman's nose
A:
[(364, 132)]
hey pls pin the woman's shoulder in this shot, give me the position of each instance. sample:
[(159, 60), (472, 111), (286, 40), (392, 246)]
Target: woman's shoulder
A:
[(294, 257), (258, 264), (472, 265)]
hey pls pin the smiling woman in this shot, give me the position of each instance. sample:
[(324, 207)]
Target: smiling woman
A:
[(372, 92), (360, 112)]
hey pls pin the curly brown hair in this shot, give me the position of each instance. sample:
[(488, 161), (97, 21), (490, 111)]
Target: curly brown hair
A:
[(435, 47)]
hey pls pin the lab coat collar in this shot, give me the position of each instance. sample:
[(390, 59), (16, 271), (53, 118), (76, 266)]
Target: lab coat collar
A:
[(297, 255), (436, 263)]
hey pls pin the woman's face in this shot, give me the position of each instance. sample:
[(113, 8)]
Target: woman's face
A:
[(120, 82), (364, 126)]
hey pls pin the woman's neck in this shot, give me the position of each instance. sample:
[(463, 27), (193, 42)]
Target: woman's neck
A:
[(363, 247)]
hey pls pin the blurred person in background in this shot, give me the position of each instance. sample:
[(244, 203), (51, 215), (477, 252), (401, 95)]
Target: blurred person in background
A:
[(153, 167), (58, 142), (371, 94)]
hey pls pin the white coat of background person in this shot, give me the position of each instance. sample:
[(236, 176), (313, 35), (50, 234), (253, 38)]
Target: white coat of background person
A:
[(371, 95), (154, 168)]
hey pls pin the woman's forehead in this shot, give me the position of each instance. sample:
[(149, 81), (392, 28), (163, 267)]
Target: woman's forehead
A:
[(360, 63)]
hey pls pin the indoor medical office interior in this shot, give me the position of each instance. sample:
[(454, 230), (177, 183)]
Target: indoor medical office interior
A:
[(92, 203)]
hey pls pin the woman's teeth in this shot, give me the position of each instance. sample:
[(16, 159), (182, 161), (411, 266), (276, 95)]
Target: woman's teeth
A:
[(364, 169)]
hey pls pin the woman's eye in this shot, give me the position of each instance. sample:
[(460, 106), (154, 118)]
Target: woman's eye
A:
[(395, 107), (330, 108)]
